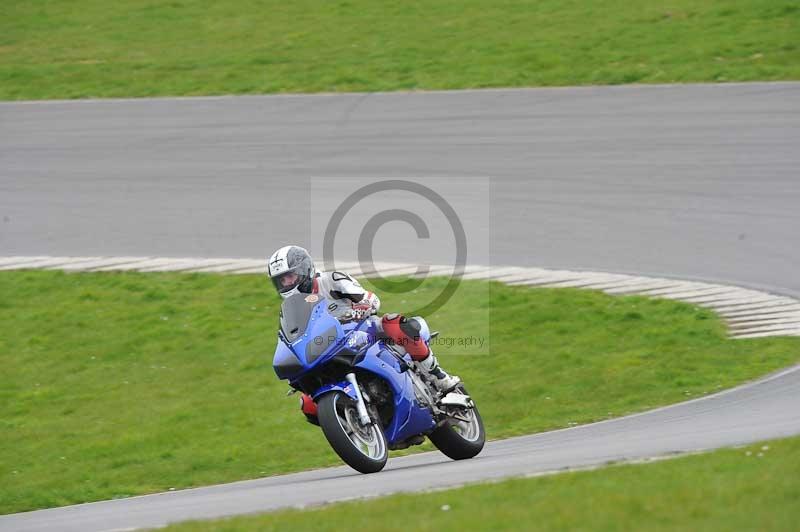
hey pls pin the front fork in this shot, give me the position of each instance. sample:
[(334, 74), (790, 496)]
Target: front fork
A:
[(361, 406)]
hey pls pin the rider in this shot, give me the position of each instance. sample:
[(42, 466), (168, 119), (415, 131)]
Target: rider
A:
[(292, 270)]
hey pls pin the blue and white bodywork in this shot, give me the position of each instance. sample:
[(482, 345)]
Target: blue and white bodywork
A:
[(353, 347), (367, 395)]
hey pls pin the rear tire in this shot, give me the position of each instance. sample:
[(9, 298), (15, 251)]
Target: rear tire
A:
[(460, 440), (362, 448)]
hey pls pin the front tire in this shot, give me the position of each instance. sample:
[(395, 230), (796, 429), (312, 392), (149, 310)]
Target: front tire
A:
[(362, 448), (459, 439)]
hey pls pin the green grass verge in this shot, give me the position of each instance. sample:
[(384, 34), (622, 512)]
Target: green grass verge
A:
[(64, 49), (120, 384), (732, 489)]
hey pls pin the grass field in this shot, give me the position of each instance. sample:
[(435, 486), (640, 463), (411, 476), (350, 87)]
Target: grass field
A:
[(120, 384), (753, 488), (65, 49)]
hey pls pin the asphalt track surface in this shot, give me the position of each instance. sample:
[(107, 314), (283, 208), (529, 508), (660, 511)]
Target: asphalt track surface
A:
[(694, 181)]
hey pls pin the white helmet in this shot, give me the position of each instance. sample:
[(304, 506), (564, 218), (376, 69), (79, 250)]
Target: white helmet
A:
[(291, 270)]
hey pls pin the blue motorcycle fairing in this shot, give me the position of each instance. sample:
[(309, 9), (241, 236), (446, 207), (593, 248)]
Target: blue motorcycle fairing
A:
[(324, 337), (323, 334), (285, 363), (410, 418), (344, 387)]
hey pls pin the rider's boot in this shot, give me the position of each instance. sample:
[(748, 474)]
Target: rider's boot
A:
[(443, 381)]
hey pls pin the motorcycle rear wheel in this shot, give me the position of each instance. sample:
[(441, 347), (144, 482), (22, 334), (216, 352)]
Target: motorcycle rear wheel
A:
[(362, 448)]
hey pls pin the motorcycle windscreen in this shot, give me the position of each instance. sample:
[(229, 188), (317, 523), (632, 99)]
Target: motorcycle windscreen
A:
[(295, 313)]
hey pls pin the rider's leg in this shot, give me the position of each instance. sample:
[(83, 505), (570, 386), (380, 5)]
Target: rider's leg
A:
[(406, 332)]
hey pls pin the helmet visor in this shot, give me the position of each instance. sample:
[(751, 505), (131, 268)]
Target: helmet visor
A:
[(286, 281)]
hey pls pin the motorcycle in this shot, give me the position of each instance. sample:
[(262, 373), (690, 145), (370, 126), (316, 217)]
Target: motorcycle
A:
[(370, 396)]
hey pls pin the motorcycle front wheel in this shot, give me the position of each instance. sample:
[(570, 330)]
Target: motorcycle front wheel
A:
[(461, 436), (362, 448)]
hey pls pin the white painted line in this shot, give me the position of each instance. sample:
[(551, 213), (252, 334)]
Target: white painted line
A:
[(211, 268), (776, 332), (680, 288), (555, 275), (587, 280), (155, 265), (407, 271), (76, 265), (725, 307), (214, 267), (533, 281), (181, 265), (761, 308), (773, 315), (385, 270), (750, 313), (732, 303), (721, 305), (260, 265), (446, 271), (627, 281), (474, 268), (130, 266), (206, 266), (30, 262), (715, 294), (523, 277), (690, 293), (789, 320), (490, 273), (410, 270), (535, 272), (260, 269), (11, 261), (639, 288), (764, 328), (732, 294), (101, 263), (167, 265), (51, 262), (512, 274)]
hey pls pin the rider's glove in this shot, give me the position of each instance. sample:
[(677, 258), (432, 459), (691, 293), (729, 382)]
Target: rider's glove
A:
[(361, 310)]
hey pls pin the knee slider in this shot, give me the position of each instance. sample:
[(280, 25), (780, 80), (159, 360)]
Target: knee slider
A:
[(411, 327)]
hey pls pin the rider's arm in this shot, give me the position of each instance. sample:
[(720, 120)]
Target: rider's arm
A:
[(346, 287)]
